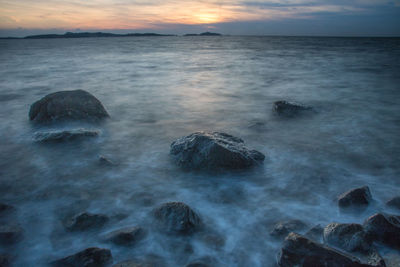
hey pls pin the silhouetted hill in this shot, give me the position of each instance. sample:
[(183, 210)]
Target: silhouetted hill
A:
[(90, 34), (204, 34)]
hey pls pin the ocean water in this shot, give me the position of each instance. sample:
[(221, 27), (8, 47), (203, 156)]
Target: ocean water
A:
[(157, 89)]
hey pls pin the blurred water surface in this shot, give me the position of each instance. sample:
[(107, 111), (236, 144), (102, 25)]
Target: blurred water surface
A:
[(157, 89)]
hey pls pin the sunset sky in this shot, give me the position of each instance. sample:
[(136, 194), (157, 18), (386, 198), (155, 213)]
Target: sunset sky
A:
[(282, 17)]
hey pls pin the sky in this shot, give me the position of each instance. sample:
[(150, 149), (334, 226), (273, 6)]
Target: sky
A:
[(236, 17)]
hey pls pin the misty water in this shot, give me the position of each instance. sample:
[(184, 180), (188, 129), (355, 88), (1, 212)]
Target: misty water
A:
[(157, 89)]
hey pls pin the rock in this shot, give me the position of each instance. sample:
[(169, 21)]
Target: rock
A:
[(282, 229), (177, 218), (297, 250), (394, 203), (90, 257), (10, 234), (315, 233), (347, 236), (355, 198), (289, 109), (105, 162), (128, 236), (67, 105), (384, 228), (86, 221), (197, 264), (149, 261), (62, 136), (213, 151)]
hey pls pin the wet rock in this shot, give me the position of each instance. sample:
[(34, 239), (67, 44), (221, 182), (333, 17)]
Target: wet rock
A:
[(5, 208), (62, 136), (213, 151), (384, 228), (105, 162), (177, 217), (289, 109), (347, 236), (128, 236), (67, 105), (86, 221), (394, 203), (10, 234), (355, 198), (298, 250), (90, 257), (315, 233), (282, 229)]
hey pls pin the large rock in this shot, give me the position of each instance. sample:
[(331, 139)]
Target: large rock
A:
[(355, 198), (315, 233), (283, 228), (67, 105), (66, 135), (177, 218), (384, 228), (85, 221), (298, 250), (128, 236), (90, 257), (347, 236), (10, 234), (213, 151), (289, 109), (394, 203)]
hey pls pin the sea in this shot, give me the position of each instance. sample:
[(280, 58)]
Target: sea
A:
[(157, 89)]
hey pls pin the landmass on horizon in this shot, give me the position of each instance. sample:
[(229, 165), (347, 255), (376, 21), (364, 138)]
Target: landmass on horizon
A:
[(102, 34)]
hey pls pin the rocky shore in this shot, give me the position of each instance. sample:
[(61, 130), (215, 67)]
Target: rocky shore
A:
[(333, 245)]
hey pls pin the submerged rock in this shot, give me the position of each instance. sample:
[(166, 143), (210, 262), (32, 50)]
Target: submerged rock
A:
[(282, 229), (384, 228), (105, 162), (355, 198), (298, 250), (289, 109), (67, 105), (86, 221), (90, 257), (128, 236), (213, 151), (394, 202), (5, 260), (5, 208), (66, 135), (10, 234), (177, 218)]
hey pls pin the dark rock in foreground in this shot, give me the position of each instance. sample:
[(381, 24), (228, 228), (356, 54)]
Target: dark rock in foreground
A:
[(394, 203), (350, 237), (289, 109), (67, 105), (86, 221), (282, 229), (213, 151), (176, 218), (355, 198), (297, 250), (126, 237), (10, 234), (384, 228), (61, 136), (150, 261), (90, 257)]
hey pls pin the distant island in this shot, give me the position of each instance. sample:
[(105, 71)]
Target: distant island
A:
[(204, 34), (102, 34)]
